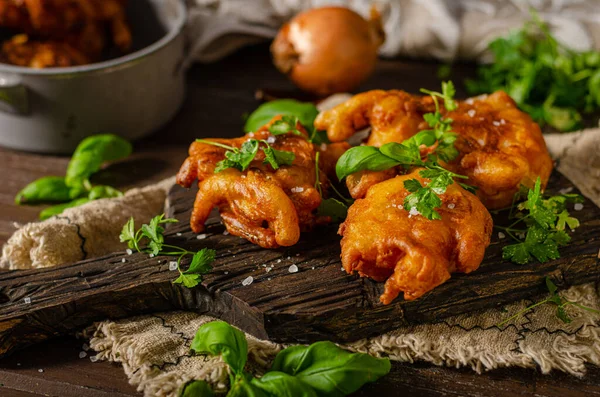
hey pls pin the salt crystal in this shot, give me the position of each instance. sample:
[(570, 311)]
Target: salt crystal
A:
[(18, 364), (201, 236), (225, 233), (502, 121), (566, 190), (496, 123), (293, 269), (278, 260), (323, 147), (27, 300), (501, 235), (251, 134), (521, 235), (469, 101), (128, 251), (225, 272), (93, 358), (298, 254), (173, 265), (297, 189), (82, 354), (123, 260), (85, 347), (248, 280), (451, 206), (178, 234), (151, 255), (471, 112), (342, 268), (289, 257), (268, 269), (271, 139), (40, 370), (269, 279), (413, 212), (578, 207), (264, 265)]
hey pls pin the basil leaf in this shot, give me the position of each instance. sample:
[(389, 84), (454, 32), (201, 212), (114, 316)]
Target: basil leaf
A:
[(333, 208), (197, 388), (220, 338), (280, 384), (328, 369), (306, 113), (46, 189), (362, 158), (58, 209), (103, 191), (89, 156)]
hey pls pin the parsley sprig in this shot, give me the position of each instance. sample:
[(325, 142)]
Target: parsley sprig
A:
[(540, 227), (440, 141), (241, 158), (152, 235), (554, 299)]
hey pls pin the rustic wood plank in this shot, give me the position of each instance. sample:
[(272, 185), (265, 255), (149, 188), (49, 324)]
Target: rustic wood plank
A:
[(318, 302)]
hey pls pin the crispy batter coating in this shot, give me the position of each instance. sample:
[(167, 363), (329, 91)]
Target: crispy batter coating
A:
[(500, 146), (383, 241), (265, 206), (62, 32)]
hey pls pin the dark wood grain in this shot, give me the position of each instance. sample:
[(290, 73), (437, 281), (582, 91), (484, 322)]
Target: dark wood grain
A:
[(318, 302)]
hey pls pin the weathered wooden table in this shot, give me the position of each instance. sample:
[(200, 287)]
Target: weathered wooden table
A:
[(218, 95)]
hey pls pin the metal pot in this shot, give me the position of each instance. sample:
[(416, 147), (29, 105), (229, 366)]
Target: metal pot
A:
[(52, 110)]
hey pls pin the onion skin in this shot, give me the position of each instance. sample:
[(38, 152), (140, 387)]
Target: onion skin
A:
[(328, 50)]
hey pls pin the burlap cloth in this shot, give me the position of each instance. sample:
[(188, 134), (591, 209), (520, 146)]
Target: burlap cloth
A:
[(154, 349)]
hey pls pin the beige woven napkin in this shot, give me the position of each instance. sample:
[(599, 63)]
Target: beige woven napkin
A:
[(154, 349)]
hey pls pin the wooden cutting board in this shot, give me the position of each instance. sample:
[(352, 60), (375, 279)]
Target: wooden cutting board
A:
[(319, 301)]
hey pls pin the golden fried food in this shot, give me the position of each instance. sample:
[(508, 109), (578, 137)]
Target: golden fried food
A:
[(500, 147), (62, 32), (383, 241), (265, 206)]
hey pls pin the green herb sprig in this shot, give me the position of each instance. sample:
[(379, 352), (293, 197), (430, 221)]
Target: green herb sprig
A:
[(75, 188), (554, 299), (241, 158), (336, 208), (540, 227), (319, 370), (152, 235), (424, 199), (554, 84)]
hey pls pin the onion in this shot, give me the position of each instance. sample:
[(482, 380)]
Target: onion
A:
[(328, 50)]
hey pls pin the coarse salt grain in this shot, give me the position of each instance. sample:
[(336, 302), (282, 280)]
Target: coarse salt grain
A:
[(502, 121), (298, 254), (247, 281), (278, 260), (128, 251), (225, 272), (201, 236), (313, 268), (178, 234), (323, 147), (297, 189), (496, 123), (27, 300), (40, 370), (123, 260), (451, 206), (471, 112), (151, 255), (293, 269), (269, 278), (268, 269), (251, 134), (82, 354), (566, 190), (93, 358), (172, 265), (578, 207), (85, 347), (271, 139), (225, 233), (342, 268), (413, 212), (501, 235)]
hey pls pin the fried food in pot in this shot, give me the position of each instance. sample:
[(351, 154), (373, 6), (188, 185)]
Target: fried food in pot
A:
[(265, 206), (58, 33), (412, 254), (500, 147)]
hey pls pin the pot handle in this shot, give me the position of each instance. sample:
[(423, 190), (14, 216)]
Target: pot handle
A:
[(13, 95)]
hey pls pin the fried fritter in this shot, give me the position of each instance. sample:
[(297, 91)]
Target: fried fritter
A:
[(500, 146), (265, 206), (383, 241), (62, 32)]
